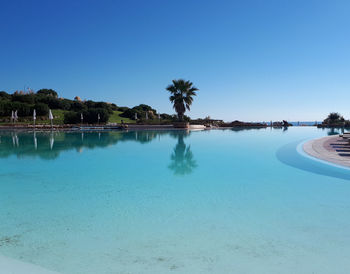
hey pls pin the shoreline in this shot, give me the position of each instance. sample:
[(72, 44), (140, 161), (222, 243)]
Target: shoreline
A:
[(332, 149), (30, 128)]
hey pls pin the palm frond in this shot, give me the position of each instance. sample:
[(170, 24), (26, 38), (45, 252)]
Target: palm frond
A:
[(182, 93)]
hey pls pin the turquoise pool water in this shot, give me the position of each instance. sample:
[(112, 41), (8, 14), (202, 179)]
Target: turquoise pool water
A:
[(218, 201)]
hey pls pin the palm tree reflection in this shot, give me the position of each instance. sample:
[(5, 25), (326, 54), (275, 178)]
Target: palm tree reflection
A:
[(182, 160)]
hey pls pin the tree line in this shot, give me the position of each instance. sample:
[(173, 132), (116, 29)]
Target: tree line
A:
[(88, 111), (74, 110)]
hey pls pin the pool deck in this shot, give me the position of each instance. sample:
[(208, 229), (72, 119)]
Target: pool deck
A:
[(333, 149)]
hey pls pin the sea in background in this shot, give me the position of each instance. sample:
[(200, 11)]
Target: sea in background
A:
[(305, 123), (296, 123), (216, 201)]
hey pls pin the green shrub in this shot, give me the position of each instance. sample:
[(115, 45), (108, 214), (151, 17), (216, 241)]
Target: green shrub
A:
[(105, 106), (23, 109), (334, 118), (114, 107), (5, 108), (122, 109), (4, 95), (41, 109), (24, 98), (144, 108), (141, 112), (71, 117), (47, 92), (101, 105), (90, 116), (165, 116), (65, 104), (78, 106), (50, 101), (130, 113)]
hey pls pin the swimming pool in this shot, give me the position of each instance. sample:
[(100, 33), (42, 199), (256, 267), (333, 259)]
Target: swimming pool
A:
[(218, 201)]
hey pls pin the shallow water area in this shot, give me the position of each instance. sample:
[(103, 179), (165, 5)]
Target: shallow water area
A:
[(218, 201)]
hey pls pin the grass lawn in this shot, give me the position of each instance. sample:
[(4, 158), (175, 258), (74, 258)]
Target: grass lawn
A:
[(115, 118), (58, 115)]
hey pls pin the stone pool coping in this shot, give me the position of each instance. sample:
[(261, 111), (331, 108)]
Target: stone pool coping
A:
[(332, 149)]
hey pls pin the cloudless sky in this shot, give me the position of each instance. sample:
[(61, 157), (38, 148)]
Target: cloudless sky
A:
[(251, 60)]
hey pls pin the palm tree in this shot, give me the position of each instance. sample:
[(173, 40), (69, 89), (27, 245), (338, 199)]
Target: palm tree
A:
[(182, 93)]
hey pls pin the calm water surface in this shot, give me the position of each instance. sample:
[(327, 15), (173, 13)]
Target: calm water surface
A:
[(219, 201)]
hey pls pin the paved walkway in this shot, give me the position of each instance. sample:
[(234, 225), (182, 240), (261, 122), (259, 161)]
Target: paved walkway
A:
[(332, 149)]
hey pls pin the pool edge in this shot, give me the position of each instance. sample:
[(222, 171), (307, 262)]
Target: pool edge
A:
[(307, 149)]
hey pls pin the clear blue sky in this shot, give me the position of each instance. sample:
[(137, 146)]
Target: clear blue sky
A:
[(251, 60)]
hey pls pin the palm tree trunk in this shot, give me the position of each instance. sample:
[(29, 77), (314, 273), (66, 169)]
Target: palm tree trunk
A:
[(180, 109), (181, 116)]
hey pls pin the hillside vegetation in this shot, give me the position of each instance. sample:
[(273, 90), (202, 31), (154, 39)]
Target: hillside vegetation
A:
[(66, 111)]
